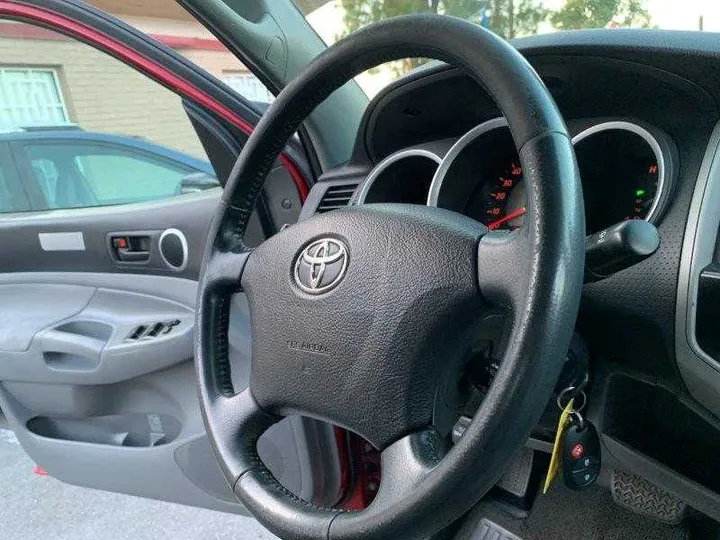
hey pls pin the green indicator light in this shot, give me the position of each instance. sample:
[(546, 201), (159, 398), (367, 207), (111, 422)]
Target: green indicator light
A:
[(640, 193)]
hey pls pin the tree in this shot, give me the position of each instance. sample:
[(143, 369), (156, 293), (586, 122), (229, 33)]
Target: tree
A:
[(512, 18), (578, 14), (507, 18)]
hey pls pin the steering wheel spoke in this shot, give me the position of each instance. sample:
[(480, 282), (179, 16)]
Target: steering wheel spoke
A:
[(406, 462), (240, 424), (504, 261), (223, 270)]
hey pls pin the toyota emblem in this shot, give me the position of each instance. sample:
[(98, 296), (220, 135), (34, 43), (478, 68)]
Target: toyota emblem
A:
[(321, 265)]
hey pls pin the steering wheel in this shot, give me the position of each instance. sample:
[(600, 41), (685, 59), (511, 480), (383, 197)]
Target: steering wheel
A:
[(358, 313)]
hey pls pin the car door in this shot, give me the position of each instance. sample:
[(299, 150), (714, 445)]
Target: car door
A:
[(102, 252)]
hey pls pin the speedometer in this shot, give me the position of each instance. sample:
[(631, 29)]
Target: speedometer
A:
[(500, 202)]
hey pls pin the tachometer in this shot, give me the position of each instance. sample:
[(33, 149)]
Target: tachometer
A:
[(624, 173)]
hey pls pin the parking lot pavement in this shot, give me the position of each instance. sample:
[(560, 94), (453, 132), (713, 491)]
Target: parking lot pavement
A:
[(36, 507)]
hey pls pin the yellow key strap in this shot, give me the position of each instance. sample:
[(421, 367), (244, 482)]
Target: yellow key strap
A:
[(555, 459)]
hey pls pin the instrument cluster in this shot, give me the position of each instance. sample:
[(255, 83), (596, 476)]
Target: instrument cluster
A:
[(627, 170)]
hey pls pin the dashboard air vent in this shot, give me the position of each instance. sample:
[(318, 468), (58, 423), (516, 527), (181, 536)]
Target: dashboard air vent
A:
[(337, 196)]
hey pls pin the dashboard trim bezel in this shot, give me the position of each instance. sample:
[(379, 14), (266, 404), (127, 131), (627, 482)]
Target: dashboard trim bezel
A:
[(699, 370), (664, 188), (390, 160), (455, 149)]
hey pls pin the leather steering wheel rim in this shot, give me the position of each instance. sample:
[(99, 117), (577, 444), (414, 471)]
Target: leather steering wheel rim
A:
[(535, 273)]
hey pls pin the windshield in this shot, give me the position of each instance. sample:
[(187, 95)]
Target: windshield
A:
[(333, 19)]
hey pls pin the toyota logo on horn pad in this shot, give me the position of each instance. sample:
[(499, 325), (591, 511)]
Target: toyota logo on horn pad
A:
[(321, 265)]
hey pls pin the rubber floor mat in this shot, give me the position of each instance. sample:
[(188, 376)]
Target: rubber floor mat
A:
[(574, 515)]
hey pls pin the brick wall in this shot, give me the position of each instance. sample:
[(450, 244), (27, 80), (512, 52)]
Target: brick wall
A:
[(154, 8), (103, 94), (217, 63)]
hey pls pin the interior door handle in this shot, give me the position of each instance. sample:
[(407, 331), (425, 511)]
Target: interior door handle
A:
[(127, 255), (69, 351), (130, 248), (67, 342)]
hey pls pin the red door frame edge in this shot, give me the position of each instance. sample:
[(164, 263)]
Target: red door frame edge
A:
[(147, 66)]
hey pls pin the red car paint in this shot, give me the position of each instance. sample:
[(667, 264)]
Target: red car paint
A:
[(37, 469), (359, 471)]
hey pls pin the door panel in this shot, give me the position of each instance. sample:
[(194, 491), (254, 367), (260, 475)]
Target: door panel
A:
[(117, 424), (96, 339), (97, 409), (190, 214)]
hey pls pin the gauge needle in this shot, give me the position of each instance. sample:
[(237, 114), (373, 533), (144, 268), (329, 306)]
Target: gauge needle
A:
[(512, 215)]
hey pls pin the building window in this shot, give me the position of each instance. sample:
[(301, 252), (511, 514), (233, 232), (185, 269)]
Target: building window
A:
[(248, 86), (30, 97)]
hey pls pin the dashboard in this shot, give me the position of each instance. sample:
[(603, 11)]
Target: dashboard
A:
[(628, 171), (643, 110)]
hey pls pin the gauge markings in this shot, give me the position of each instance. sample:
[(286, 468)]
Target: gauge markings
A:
[(504, 200), (508, 217)]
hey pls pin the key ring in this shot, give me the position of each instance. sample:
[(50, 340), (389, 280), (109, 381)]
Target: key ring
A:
[(567, 392), (579, 419)]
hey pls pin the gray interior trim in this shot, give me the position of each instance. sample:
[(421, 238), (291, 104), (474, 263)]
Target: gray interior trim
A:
[(65, 241), (269, 44), (664, 179), (24, 311), (391, 159), (700, 372), (180, 290), (455, 150), (93, 345)]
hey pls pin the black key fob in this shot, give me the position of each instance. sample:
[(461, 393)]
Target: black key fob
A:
[(580, 455)]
